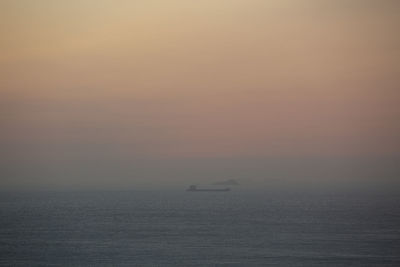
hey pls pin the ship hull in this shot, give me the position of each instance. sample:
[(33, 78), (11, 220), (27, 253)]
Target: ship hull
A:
[(209, 190)]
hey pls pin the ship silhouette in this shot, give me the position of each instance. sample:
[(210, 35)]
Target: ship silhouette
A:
[(193, 188)]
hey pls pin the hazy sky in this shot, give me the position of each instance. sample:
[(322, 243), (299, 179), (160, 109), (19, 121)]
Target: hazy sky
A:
[(177, 89)]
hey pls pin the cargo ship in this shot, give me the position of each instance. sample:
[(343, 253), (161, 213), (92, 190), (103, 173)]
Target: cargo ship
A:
[(193, 188)]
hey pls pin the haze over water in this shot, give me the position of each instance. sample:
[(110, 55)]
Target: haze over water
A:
[(110, 109), (141, 93)]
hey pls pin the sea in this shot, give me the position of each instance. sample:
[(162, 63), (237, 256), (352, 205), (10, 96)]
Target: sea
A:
[(178, 228)]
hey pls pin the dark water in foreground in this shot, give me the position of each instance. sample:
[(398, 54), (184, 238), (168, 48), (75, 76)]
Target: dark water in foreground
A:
[(198, 229)]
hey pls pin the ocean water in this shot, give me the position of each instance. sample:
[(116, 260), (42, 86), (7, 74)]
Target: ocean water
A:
[(162, 228)]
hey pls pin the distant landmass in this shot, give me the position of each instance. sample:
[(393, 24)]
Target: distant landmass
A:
[(227, 182)]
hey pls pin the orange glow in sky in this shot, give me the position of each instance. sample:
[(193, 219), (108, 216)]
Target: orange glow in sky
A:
[(202, 78)]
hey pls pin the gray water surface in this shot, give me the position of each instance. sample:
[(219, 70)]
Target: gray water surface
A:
[(198, 229)]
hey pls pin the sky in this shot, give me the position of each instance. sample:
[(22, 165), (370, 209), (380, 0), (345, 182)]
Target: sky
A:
[(129, 93)]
